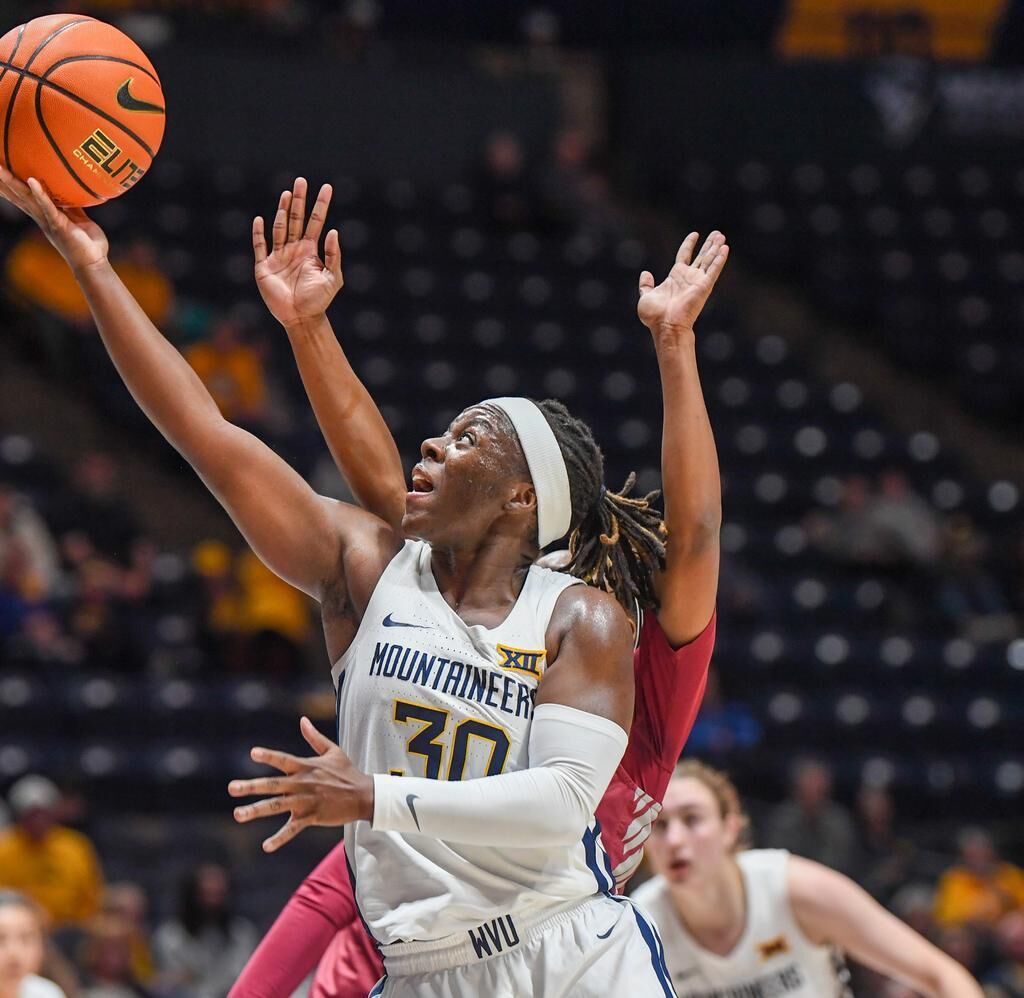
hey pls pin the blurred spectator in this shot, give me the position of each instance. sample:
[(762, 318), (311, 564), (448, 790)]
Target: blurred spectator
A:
[(982, 887), (962, 944), (1007, 979), (96, 510), (43, 643), (22, 948), (541, 33), (893, 527), (810, 823), (203, 950), (106, 960), (99, 619), (232, 371), (274, 614), (969, 596), (845, 535), (254, 621), (38, 275), (56, 866), (504, 183), (915, 904), (722, 726), (128, 902), (29, 563), (884, 858), (354, 34), (903, 527), (138, 266)]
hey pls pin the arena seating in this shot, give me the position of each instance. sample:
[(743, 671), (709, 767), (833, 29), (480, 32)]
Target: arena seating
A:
[(923, 255), (441, 307)]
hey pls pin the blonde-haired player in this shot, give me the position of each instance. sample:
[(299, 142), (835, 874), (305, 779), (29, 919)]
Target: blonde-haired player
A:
[(738, 922)]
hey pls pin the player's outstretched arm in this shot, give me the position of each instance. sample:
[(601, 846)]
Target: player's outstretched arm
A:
[(297, 289), (832, 910), (577, 737), (689, 462), (297, 533)]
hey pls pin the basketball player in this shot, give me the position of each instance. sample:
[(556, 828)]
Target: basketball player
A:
[(453, 656), (739, 922), (22, 949), (320, 922)]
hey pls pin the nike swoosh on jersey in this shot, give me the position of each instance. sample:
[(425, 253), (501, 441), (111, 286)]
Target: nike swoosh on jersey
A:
[(605, 935), (409, 798), (130, 103), (389, 622)]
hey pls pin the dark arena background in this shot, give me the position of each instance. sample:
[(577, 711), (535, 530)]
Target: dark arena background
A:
[(502, 173)]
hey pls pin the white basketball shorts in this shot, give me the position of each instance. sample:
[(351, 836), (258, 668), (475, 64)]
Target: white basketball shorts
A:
[(603, 947)]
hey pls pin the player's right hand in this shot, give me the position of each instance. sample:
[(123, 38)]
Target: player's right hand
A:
[(293, 281), (75, 236), (324, 789)]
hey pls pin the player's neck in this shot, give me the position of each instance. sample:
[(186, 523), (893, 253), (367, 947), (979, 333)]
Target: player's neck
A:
[(482, 577), (715, 913)]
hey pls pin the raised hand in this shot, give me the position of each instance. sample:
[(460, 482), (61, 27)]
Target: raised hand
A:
[(293, 281), (325, 789), (674, 305), (76, 236)]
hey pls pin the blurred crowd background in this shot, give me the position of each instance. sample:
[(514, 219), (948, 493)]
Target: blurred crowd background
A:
[(502, 174)]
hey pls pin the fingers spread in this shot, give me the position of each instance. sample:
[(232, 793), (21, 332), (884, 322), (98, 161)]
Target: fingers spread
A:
[(259, 239), (262, 785), (706, 249), (715, 268), (318, 215), (280, 229), (685, 253), (317, 742), (268, 807), (297, 210), (284, 761), (332, 255), (285, 834)]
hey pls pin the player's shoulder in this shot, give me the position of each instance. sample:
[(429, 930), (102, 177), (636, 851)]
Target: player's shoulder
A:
[(590, 613)]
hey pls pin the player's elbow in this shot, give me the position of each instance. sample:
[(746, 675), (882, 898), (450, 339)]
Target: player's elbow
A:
[(697, 534)]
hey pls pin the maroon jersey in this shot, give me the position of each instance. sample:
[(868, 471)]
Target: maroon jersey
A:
[(669, 688), (321, 922)]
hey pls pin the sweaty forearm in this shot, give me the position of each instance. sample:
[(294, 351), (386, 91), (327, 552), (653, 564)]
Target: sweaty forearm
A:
[(689, 461), (156, 374), (356, 434)]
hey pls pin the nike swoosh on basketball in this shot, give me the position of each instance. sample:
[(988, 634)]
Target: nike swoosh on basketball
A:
[(390, 622), (409, 798), (130, 103)]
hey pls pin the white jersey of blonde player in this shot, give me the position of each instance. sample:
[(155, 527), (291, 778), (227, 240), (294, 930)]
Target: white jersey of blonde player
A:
[(772, 957), (422, 693)]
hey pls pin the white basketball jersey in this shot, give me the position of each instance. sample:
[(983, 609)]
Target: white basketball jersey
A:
[(772, 957), (422, 693)]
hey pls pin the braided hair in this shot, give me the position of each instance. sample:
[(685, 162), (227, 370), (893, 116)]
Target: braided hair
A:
[(616, 541)]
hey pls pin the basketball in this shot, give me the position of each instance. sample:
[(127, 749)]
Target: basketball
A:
[(81, 108)]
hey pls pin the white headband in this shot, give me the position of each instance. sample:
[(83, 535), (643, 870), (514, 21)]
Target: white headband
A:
[(546, 464)]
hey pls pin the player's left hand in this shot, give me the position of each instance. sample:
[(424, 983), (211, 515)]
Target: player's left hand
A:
[(293, 281), (325, 789), (673, 306)]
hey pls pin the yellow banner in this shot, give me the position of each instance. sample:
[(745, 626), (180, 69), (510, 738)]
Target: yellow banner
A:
[(956, 30)]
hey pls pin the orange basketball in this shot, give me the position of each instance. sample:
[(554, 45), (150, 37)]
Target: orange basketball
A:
[(81, 108)]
